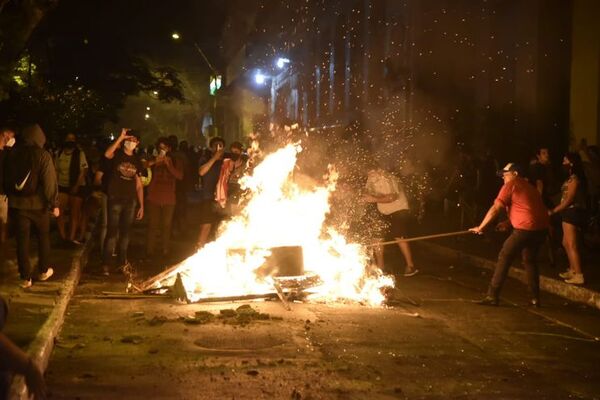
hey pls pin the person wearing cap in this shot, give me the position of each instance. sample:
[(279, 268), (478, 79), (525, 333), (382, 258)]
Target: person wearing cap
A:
[(124, 188), (529, 219)]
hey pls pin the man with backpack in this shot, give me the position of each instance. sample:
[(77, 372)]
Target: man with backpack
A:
[(32, 190)]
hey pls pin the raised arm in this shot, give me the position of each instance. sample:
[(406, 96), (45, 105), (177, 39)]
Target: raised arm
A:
[(110, 152)]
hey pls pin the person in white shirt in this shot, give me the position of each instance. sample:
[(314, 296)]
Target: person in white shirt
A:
[(384, 189)]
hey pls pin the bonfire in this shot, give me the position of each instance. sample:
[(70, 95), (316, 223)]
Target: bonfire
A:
[(280, 213)]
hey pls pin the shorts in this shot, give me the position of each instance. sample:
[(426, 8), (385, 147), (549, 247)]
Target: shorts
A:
[(400, 222), (575, 216), (82, 192), (3, 208), (209, 213)]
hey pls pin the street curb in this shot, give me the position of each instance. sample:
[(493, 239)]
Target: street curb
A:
[(41, 347), (570, 292)]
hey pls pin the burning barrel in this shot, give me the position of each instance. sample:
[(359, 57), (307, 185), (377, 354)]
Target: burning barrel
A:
[(283, 261)]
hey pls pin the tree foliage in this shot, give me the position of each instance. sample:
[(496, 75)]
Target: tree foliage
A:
[(18, 20), (77, 80)]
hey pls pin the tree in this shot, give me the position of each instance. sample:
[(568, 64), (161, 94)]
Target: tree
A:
[(18, 20)]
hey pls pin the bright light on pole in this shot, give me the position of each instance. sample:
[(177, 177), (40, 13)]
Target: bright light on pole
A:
[(281, 62), (175, 36), (260, 78)]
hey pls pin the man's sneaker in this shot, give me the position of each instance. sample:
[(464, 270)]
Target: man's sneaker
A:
[(46, 275), (411, 272), (105, 270), (575, 279), (535, 302), (488, 301), (26, 284), (566, 275)]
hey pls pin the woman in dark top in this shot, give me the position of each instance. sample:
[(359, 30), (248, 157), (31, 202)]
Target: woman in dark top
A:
[(573, 212)]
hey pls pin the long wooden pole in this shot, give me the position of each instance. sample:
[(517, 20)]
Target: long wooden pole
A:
[(414, 239)]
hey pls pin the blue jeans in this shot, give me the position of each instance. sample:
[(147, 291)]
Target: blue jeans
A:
[(120, 219)]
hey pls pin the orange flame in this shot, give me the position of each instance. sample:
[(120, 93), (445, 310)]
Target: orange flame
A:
[(282, 213)]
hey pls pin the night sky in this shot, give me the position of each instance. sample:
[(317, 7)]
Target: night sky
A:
[(136, 26)]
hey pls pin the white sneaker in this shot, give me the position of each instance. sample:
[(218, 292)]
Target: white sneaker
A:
[(26, 284), (46, 275), (566, 275), (576, 279)]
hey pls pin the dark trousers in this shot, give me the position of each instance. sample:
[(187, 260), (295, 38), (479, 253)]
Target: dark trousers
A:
[(181, 208), (120, 219), (24, 220), (101, 223), (159, 221), (528, 244)]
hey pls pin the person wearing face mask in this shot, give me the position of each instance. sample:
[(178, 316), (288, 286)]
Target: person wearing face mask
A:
[(161, 199), (573, 212), (228, 191), (124, 190), (529, 219), (71, 169), (7, 140), (32, 190)]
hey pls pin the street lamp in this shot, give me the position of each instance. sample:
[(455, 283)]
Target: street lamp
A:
[(175, 36), (259, 78), (282, 62)]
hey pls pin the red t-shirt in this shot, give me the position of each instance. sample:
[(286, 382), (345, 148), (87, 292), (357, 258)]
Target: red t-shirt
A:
[(524, 205), (161, 190)]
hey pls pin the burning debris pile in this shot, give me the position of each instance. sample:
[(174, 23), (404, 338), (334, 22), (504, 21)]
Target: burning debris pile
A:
[(279, 241)]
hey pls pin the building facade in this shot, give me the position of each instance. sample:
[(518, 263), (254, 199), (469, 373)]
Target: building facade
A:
[(503, 75)]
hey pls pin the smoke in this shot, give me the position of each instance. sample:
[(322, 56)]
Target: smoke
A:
[(408, 135)]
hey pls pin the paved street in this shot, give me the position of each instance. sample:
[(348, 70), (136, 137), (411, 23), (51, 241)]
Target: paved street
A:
[(155, 348)]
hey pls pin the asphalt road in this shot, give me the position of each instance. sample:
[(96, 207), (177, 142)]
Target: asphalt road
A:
[(453, 349)]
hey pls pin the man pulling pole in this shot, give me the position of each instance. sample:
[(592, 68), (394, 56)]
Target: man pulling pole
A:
[(529, 219)]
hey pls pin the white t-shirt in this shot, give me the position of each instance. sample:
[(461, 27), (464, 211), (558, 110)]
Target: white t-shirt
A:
[(381, 183)]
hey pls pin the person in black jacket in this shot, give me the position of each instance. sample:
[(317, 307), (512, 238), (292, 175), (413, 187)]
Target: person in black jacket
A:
[(31, 199), (7, 140)]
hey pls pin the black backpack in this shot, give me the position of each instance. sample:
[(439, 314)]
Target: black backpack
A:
[(22, 171)]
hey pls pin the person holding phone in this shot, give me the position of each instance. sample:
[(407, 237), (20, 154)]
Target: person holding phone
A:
[(166, 171), (209, 171)]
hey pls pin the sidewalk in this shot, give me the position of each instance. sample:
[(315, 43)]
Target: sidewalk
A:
[(36, 314), (482, 252)]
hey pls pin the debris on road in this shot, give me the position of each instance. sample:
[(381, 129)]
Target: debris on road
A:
[(133, 339)]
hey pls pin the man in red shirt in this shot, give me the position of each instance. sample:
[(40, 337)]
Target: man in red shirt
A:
[(529, 219)]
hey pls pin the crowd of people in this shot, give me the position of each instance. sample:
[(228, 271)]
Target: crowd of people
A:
[(96, 193), (103, 189)]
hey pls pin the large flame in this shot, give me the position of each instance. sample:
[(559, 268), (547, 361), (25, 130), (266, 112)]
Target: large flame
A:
[(282, 213)]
